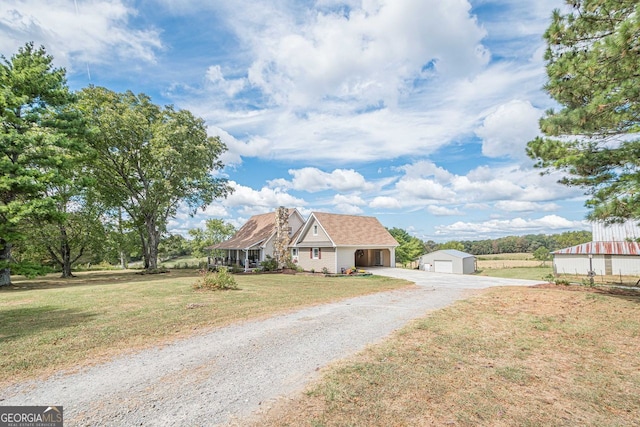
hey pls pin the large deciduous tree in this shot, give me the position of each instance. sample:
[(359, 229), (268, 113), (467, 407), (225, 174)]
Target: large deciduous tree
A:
[(593, 68), (37, 125), (216, 231), (150, 160), (410, 247)]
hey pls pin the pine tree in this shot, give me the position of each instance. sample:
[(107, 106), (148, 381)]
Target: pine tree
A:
[(36, 143), (593, 68)]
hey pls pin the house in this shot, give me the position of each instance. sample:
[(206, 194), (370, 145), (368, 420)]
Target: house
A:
[(614, 251), (448, 261), (257, 238), (335, 243)]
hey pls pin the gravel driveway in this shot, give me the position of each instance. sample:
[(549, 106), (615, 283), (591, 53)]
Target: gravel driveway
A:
[(232, 372)]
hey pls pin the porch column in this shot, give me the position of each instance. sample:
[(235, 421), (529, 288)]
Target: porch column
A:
[(392, 261)]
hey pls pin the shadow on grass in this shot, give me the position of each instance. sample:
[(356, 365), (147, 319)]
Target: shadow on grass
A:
[(23, 322), (107, 277), (626, 294)]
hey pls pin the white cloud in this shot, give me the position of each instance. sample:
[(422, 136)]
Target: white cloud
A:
[(442, 211), (220, 84), (506, 131), (251, 202), (369, 55), (313, 180), (424, 189), (515, 226), (385, 202), (524, 206), (351, 200), (97, 31)]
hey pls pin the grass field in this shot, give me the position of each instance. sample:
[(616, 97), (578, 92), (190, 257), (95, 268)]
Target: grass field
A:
[(553, 356), (51, 323)]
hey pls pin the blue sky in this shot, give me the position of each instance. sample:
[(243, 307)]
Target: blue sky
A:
[(414, 111)]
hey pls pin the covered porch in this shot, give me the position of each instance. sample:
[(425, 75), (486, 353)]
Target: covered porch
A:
[(245, 258)]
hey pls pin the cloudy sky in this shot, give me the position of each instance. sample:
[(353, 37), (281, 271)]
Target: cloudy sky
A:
[(414, 111)]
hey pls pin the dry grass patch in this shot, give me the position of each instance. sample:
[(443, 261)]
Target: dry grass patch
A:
[(540, 356), (50, 323)]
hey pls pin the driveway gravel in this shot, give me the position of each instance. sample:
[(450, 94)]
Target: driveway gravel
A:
[(232, 372)]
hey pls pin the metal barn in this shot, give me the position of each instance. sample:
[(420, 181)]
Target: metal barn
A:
[(603, 258), (448, 261)]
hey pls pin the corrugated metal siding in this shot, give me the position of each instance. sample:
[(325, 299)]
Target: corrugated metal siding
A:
[(602, 248), (614, 232), (580, 265)]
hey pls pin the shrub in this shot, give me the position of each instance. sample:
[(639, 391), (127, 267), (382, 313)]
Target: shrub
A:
[(215, 281), (235, 268), (269, 264), (553, 279), (325, 270)]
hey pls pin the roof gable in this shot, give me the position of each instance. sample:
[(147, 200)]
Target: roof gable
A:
[(456, 253), (352, 230), (602, 248), (258, 229)]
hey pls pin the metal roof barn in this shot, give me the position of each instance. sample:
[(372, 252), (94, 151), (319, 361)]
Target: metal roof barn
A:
[(603, 258)]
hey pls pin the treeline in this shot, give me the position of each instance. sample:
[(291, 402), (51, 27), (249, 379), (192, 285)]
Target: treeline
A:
[(412, 247), (518, 244)]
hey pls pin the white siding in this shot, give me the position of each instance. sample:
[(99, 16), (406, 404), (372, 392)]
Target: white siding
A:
[(464, 264), (625, 265)]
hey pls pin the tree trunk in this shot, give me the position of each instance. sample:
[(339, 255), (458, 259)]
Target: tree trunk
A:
[(145, 248), (5, 255), (152, 244), (65, 253), (123, 260)]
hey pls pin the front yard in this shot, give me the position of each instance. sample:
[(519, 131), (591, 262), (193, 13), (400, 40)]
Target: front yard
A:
[(50, 323)]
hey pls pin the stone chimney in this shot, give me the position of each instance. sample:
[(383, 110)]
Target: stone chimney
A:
[(282, 254)]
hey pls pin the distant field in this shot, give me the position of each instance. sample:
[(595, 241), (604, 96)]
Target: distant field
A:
[(509, 261), (514, 256)]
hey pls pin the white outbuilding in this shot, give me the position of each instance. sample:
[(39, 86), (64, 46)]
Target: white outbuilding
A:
[(614, 251), (601, 258), (448, 261)]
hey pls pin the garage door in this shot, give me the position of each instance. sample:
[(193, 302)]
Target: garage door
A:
[(443, 266)]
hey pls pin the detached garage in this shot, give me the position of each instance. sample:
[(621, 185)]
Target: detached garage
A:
[(448, 261)]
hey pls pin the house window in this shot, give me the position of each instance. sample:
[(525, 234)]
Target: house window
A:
[(294, 252), (315, 230), (316, 253)]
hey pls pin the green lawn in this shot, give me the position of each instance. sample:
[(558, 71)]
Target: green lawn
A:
[(532, 273), (51, 323)]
